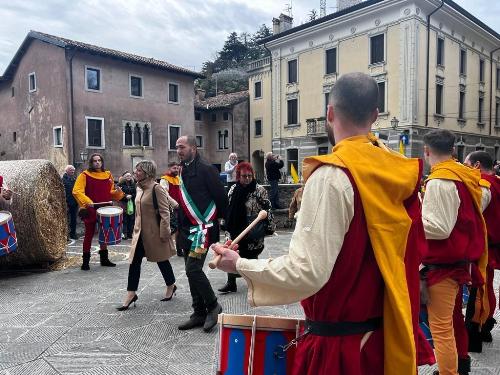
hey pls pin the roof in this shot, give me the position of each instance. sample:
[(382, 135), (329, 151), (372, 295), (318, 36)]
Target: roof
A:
[(366, 4), (96, 50), (221, 101)]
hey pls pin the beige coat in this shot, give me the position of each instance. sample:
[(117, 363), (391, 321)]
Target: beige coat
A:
[(157, 241)]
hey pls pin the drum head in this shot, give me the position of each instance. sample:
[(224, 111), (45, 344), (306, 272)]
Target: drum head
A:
[(4, 216), (109, 211)]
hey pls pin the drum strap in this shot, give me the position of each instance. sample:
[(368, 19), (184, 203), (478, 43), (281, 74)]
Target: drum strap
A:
[(440, 266)]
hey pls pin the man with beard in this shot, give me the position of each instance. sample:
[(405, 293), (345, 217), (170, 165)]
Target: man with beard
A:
[(172, 183), (68, 180), (353, 258), (203, 201)]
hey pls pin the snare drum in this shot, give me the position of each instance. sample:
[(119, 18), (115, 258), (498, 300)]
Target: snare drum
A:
[(8, 239), (251, 345), (110, 221)]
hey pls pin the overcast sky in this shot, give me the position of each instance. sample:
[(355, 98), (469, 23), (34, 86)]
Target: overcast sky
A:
[(182, 32)]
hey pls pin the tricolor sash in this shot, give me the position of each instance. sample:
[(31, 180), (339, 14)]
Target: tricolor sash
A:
[(200, 223)]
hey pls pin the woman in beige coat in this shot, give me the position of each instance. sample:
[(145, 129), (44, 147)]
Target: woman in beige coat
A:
[(151, 237)]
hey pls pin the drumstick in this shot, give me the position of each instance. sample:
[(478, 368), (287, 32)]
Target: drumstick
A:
[(261, 216), (99, 203)]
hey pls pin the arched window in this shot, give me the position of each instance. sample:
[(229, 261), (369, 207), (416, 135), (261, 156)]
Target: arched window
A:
[(145, 135), (137, 135), (128, 134)]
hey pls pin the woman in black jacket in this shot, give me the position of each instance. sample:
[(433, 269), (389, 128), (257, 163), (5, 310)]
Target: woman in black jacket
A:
[(128, 186)]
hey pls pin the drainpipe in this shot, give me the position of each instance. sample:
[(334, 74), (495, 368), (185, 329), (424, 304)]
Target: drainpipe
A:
[(232, 129), (427, 65), (72, 119), (491, 84), (248, 128), (271, 69)]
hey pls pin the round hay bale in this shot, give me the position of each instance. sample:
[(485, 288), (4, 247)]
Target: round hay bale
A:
[(38, 210)]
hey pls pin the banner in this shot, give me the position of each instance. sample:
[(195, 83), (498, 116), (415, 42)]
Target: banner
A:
[(294, 174)]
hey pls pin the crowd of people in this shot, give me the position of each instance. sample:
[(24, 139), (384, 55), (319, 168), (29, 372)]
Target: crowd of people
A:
[(372, 247)]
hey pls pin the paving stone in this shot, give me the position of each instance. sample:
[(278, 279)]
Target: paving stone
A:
[(38, 367)]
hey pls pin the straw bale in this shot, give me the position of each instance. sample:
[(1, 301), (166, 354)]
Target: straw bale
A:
[(38, 210)]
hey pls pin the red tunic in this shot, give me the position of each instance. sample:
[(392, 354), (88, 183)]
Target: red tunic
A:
[(98, 191), (492, 218)]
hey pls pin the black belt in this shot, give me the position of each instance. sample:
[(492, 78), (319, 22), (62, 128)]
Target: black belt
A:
[(342, 328), (440, 266)]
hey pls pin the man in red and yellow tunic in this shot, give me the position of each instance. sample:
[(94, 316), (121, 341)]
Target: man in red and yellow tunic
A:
[(172, 183), (353, 258), (94, 185), (455, 197), (482, 160)]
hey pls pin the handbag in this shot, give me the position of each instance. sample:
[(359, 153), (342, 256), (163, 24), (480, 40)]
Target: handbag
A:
[(155, 205), (258, 231), (130, 207)]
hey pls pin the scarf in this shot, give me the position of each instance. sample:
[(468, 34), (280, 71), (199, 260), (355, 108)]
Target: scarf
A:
[(236, 219)]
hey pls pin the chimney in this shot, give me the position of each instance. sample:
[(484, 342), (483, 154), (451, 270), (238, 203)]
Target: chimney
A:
[(200, 94), (343, 4), (276, 26), (286, 22)]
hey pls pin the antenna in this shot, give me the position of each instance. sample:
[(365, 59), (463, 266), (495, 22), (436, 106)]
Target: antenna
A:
[(288, 9), (322, 8)]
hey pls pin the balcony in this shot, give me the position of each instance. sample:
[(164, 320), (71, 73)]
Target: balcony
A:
[(259, 64), (316, 127)]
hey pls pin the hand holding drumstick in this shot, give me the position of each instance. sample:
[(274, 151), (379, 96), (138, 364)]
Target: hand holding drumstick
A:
[(226, 257)]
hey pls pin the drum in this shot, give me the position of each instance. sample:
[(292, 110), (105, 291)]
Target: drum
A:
[(8, 239), (110, 221), (254, 345)]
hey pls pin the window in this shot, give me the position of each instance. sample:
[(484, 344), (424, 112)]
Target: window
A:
[(331, 61), (498, 78), (292, 71), (223, 139), (481, 70), (135, 86), (292, 112), (14, 137), (93, 79), (463, 62), (460, 153), (461, 106), (323, 150), (146, 134), (439, 99), (199, 141), (381, 97), (226, 139), (258, 128), (173, 93), (174, 132), (480, 110), (225, 116), (137, 135), (440, 52), (479, 148), (32, 82), (128, 135), (213, 117), (12, 92), (58, 141), (257, 90), (292, 157), (377, 49), (95, 132), (197, 116), (497, 112)]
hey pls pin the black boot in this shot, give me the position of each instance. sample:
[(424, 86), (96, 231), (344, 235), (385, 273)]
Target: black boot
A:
[(475, 340), (85, 263), (105, 262), (230, 286), (486, 330), (464, 366)]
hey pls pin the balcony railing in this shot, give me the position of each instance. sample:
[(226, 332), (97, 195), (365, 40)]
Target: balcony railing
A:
[(253, 65), (316, 127)]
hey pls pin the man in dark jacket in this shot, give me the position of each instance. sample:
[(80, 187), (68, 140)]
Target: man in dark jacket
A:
[(273, 166), (68, 180), (203, 201), (128, 186)]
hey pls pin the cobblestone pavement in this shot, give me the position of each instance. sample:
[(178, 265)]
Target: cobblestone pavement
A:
[(65, 322)]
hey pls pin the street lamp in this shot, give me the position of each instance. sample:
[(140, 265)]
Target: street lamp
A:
[(83, 156), (394, 123)]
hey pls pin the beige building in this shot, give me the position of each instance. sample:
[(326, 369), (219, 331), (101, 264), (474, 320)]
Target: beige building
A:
[(62, 100), (444, 74)]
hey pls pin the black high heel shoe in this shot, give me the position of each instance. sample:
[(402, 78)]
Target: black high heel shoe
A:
[(169, 298), (125, 307)]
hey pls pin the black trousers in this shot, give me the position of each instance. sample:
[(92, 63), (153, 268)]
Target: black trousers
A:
[(72, 212), (274, 194), (128, 224), (203, 296), (134, 271)]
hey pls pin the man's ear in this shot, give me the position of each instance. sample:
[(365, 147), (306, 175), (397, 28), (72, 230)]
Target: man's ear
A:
[(330, 114)]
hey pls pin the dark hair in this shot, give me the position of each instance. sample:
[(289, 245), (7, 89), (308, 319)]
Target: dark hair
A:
[(91, 168), (172, 164), (124, 173), (355, 97), (243, 166), (191, 140), (440, 141), (483, 158)]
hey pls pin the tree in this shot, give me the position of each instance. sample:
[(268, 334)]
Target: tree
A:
[(313, 14)]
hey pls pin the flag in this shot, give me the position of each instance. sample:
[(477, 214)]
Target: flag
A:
[(401, 147), (294, 174)]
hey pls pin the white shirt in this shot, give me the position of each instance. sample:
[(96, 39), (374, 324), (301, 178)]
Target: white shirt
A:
[(230, 170)]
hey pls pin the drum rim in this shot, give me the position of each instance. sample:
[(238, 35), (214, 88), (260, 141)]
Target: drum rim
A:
[(267, 323), (119, 210), (9, 215)]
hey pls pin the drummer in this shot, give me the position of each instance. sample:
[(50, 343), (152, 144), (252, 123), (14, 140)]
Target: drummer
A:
[(5, 195), (93, 186)]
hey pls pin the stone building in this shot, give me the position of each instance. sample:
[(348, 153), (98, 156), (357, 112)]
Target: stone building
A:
[(221, 126), (437, 66), (62, 100)]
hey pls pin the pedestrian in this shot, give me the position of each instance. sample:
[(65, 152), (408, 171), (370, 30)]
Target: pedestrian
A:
[(246, 200), (295, 204), (349, 257), (68, 180), (171, 182), (230, 169), (5, 195), (452, 217), (482, 160), (128, 186), (273, 166), (203, 202), (94, 185), (151, 238)]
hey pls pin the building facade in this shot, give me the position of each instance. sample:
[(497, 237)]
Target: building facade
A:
[(439, 74), (63, 100)]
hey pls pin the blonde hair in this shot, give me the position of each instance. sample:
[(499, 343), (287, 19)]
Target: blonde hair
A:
[(148, 167)]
